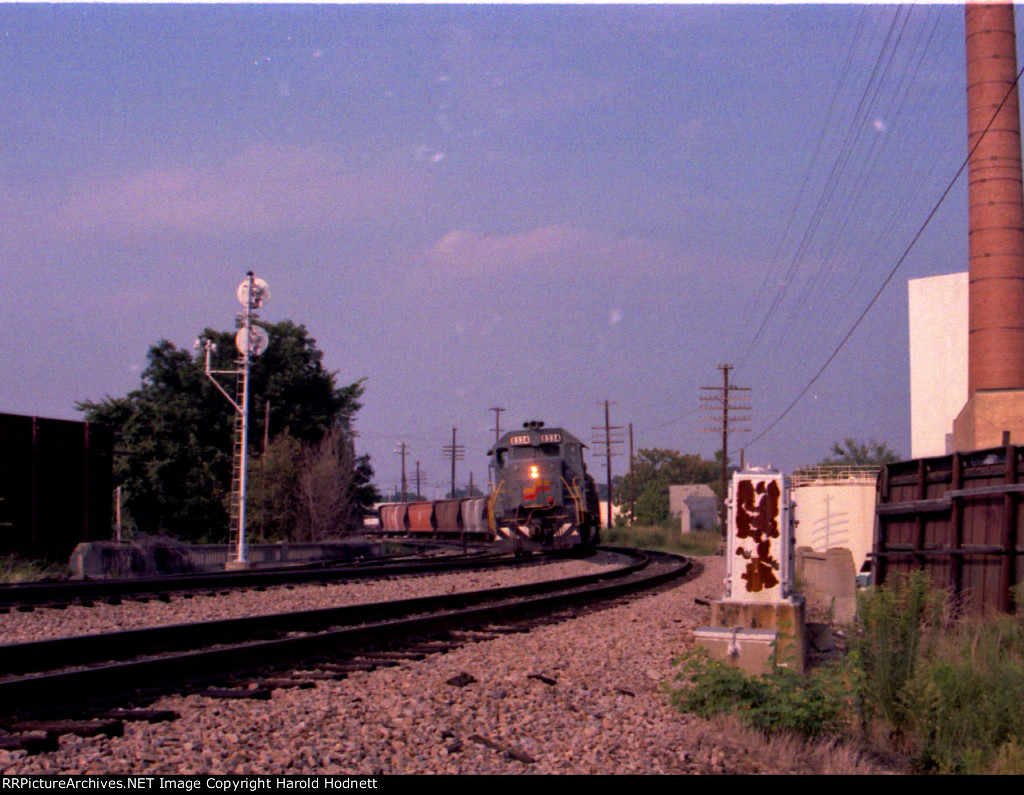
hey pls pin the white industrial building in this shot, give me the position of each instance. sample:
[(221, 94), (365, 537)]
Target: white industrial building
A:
[(938, 360)]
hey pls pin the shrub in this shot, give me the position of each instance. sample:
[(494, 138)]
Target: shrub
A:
[(782, 701)]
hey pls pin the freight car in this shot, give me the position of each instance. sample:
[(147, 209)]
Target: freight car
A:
[(541, 497), (438, 518)]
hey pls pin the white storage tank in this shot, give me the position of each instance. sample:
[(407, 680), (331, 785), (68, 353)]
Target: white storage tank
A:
[(834, 507)]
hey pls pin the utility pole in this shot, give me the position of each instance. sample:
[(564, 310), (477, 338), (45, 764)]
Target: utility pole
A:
[(405, 483), (419, 488), (607, 440), (497, 422), (632, 480), (454, 452), (719, 400)]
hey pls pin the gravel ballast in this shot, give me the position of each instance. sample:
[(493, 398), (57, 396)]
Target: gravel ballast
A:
[(581, 696), (46, 623)]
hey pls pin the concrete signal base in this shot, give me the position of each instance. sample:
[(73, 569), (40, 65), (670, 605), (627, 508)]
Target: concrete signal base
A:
[(757, 636)]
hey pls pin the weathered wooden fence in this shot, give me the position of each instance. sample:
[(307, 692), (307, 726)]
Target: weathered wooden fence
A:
[(958, 517)]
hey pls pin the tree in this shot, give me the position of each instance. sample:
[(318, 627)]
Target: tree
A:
[(854, 453), (176, 431), (654, 470), (325, 487)]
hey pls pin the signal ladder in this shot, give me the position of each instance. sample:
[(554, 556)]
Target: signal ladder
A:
[(235, 507)]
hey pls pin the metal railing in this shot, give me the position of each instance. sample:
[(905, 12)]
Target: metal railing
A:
[(835, 474)]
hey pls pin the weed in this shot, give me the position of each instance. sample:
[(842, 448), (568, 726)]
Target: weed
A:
[(948, 693), (969, 691), (15, 569), (897, 624), (782, 701)]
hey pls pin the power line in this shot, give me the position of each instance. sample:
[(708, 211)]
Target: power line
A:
[(895, 267)]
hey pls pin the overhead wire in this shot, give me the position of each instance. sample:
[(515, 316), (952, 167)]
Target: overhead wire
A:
[(791, 219), (839, 168), (824, 281), (895, 268)]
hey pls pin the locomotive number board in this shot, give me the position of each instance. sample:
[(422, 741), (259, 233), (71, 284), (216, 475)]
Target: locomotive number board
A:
[(545, 438)]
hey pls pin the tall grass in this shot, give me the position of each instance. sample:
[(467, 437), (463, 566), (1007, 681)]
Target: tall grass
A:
[(897, 627), (665, 538), (949, 694), (15, 569), (969, 699)]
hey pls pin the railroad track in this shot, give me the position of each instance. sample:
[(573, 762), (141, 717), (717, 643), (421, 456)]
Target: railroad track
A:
[(28, 596), (127, 670)]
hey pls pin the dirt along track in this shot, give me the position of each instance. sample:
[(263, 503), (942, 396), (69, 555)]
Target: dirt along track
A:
[(580, 696)]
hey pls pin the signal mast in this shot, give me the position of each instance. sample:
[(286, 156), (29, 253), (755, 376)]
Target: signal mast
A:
[(250, 341)]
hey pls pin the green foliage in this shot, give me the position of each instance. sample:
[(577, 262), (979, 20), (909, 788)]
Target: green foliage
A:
[(16, 569), (654, 470), (853, 453), (897, 624), (949, 694), (968, 716), (781, 701), (665, 537), (177, 428)]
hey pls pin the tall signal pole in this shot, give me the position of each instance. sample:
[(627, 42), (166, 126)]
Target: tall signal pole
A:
[(608, 440), (719, 400), (250, 341)]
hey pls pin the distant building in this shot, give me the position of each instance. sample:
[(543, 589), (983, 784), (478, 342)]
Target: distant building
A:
[(938, 361), (695, 505)]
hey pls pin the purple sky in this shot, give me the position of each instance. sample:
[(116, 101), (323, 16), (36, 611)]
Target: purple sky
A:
[(534, 207)]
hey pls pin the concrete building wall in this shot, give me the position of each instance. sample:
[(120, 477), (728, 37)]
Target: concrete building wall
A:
[(938, 360), (695, 505)]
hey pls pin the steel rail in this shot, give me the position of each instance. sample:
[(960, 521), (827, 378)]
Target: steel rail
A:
[(103, 686), (41, 593), (44, 655)]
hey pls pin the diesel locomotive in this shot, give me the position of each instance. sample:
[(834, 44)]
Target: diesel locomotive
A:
[(542, 495), (541, 498)]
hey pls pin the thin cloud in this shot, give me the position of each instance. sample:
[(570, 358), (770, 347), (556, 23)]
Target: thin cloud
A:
[(562, 248), (262, 188)]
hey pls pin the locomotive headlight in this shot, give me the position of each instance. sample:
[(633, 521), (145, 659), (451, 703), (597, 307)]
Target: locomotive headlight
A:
[(534, 471)]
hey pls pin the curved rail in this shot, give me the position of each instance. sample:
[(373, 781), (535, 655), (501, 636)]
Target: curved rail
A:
[(36, 594), (369, 626)]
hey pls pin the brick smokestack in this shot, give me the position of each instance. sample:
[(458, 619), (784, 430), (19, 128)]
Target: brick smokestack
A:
[(995, 346), (996, 216)]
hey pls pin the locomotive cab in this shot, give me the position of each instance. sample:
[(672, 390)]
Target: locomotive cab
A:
[(541, 492)]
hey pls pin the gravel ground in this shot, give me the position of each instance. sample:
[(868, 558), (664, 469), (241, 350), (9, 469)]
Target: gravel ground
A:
[(581, 696), (46, 623)]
